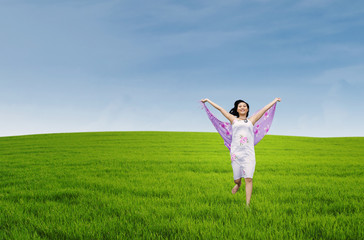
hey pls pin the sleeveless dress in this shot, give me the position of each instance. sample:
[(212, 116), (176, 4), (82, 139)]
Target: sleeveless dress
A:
[(242, 149)]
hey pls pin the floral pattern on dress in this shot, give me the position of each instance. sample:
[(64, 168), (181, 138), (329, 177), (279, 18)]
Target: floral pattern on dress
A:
[(233, 157), (243, 140)]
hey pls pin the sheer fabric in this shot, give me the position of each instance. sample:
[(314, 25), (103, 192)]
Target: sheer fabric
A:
[(260, 129)]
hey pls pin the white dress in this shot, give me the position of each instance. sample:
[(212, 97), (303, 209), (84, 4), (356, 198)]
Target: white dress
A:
[(242, 149)]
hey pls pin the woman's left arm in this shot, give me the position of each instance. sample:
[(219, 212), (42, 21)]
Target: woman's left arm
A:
[(259, 114)]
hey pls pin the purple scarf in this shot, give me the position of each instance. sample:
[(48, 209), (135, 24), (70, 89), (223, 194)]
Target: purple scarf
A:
[(261, 127)]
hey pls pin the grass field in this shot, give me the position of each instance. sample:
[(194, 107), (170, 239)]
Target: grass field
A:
[(171, 185)]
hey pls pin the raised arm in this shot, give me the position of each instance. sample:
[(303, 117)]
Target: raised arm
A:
[(259, 114), (229, 116)]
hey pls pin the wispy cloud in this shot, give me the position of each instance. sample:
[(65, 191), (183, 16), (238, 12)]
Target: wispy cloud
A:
[(352, 75)]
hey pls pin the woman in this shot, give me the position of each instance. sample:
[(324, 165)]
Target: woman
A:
[(242, 146)]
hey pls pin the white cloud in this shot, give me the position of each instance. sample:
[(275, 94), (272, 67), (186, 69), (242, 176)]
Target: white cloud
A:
[(340, 111), (353, 75)]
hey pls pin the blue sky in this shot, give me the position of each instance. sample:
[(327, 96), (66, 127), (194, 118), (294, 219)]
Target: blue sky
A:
[(75, 66)]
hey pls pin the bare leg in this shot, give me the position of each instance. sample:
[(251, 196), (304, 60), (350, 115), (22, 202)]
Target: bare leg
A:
[(237, 186), (248, 189)]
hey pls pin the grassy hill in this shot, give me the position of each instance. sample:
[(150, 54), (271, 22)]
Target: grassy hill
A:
[(122, 185)]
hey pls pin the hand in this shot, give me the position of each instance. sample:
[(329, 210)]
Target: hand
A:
[(277, 99), (204, 100)]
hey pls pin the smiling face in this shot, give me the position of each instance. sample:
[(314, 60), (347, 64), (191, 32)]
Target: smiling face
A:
[(242, 109)]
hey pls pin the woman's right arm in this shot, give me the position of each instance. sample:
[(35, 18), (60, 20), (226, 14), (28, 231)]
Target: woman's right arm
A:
[(229, 116)]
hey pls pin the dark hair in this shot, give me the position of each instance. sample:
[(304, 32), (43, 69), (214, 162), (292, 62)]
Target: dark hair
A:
[(234, 111)]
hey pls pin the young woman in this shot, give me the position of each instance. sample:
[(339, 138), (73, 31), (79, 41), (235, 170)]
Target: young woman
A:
[(242, 146)]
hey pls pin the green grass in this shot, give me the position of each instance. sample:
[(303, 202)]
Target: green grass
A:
[(170, 185)]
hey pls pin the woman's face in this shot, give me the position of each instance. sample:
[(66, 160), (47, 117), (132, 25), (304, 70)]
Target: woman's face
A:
[(242, 109)]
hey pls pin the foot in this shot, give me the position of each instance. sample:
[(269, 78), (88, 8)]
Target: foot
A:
[(235, 189), (247, 208)]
